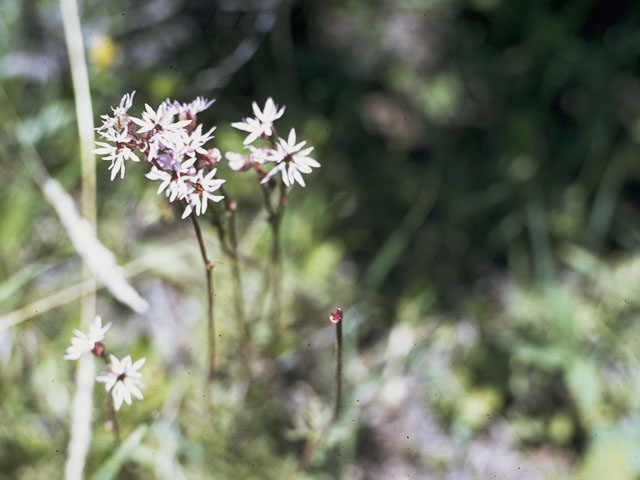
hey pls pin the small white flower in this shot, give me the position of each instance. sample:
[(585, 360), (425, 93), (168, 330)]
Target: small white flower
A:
[(262, 124), (122, 380), (200, 104), (125, 104), (292, 160), (260, 156), (237, 161), (160, 121), (175, 181), (116, 155), (203, 188), (120, 117), (195, 141), (85, 342)]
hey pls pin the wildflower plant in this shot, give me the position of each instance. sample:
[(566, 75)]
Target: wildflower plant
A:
[(184, 165), (122, 379), (176, 146)]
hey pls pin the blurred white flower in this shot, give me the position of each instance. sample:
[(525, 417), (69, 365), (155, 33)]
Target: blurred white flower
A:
[(257, 157), (83, 343), (200, 104), (122, 380), (260, 156), (292, 160), (125, 104), (237, 161), (262, 124)]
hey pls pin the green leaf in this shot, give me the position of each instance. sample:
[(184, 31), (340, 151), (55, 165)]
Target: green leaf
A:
[(585, 385)]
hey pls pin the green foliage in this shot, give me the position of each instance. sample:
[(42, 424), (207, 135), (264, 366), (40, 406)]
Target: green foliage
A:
[(478, 199)]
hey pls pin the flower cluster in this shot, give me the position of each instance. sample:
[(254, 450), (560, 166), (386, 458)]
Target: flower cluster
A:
[(291, 158), (122, 379), (169, 138)]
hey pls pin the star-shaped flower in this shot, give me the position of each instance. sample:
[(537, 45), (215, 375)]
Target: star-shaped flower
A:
[(292, 160), (118, 153), (83, 343), (122, 380), (203, 188), (262, 124)]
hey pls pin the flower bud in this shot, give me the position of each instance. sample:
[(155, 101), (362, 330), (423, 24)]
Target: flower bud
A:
[(336, 316)]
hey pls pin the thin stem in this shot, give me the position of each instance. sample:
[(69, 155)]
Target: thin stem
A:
[(276, 256), (211, 334), (336, 318), (101, 352), (113, 418), (237, 278), (231, 251), (338, 372)]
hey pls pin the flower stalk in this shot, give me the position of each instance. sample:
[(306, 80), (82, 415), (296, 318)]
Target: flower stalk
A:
[(336, 319), (211, 330)]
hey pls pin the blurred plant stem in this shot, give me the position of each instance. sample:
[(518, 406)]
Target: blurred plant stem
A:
[(338, 371), (231, 251), (211, 331), (82, 401), (111, 411), (273, 274)]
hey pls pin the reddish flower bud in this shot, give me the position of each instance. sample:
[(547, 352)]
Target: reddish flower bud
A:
[(98, 349), (336, 316)]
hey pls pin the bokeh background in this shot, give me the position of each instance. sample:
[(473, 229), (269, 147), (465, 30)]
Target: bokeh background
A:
[(477, 216)]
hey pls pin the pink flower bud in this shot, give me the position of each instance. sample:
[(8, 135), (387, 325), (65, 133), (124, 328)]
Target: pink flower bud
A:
[(336, 316)]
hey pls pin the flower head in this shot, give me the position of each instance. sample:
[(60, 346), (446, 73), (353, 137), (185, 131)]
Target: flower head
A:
[(202, 188), (122, 380), (83, 343), (262, 124), (118, 153), (292, 160)]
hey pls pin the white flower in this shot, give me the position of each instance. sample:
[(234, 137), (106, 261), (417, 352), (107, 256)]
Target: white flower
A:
[(85, 342), (160, 121), (116, 154), (258, 156), (120, 117), (200, 104), (195, 141), (203, 186), (262, 124), (237, 161), (122, 380), (292, 160), (174, 181), (125, 104)]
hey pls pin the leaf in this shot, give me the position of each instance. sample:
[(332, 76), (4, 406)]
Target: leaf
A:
[(585, 385)]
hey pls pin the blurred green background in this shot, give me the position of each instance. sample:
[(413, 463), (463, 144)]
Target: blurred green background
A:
[(476, 215)]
